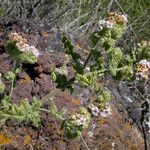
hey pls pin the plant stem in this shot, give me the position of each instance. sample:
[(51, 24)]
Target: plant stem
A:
[(86, 61), (13, 81), (50, 95), (11, 88), (84, 142), (90, 54), (43, 109)]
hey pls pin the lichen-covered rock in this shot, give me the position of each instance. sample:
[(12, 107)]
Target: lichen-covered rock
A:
[(115, 131)]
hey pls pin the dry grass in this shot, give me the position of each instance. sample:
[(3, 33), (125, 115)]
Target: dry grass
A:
[(80, 16)]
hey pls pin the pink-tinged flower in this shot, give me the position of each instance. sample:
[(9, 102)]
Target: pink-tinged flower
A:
[(141, 76), (145, 62)]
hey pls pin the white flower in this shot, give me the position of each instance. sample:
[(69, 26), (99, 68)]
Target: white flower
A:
[(79, 119), (148, 65), (102, 22), (26, 48), (141, 76), (34, 51), (105, 24), (109, 25), (62, 70), (143, 62), (87, 68), (94, 110), (81, 62), (22, 47), (16, 37), (106, 112), (125, 17)]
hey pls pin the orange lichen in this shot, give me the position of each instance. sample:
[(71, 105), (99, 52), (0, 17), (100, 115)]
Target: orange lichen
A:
[(76, 101), (45, 34), (26, 79), (128, 127), (4, 139), (102, 122), (27, 139)]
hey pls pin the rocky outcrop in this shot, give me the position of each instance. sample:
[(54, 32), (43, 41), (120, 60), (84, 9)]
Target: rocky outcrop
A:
[(122, 130)]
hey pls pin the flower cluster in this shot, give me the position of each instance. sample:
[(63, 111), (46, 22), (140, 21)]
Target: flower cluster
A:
[(22, 45), (81, 118), (117, 18), (112, 19), (77, 123), (142, 70), (105, 24)]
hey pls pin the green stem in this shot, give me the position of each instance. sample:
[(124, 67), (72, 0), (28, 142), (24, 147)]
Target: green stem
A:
[(11, 88), (90, 54), (50, 95), (13, 81), (118, 69), (86, 61), (43, 109)]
